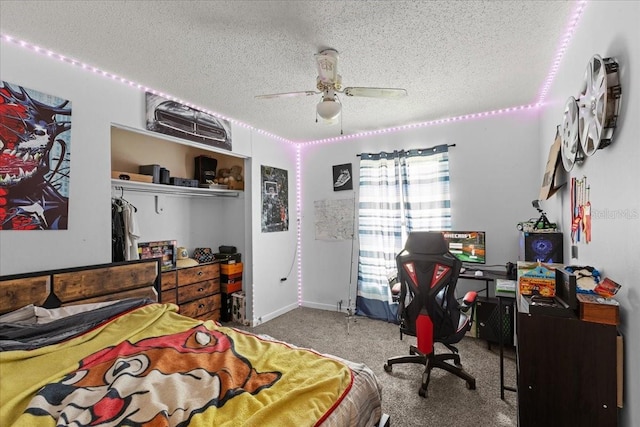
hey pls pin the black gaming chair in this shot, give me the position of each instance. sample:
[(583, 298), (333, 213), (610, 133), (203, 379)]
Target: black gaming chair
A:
[(428, 309)]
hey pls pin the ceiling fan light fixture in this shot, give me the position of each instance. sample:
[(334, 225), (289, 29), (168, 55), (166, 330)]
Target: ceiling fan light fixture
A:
[(328, 109)]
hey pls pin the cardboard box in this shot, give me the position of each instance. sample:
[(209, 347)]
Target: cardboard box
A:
[(229, 269), (537, 278), (239, 308), (152, 170), (230, 288), (228, 258), (594, 308), (128, 176), (505, 288), (231, 278)]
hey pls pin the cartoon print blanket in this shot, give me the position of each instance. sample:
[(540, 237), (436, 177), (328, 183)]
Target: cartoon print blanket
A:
[(153, 367)]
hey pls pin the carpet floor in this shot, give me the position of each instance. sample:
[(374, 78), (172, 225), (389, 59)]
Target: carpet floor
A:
[(372, 342)]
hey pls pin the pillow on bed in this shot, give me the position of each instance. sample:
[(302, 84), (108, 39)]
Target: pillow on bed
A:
[(46, 315), (26, 315)]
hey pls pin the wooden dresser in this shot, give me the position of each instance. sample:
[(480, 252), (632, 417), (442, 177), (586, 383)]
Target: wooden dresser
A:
[(196, 290)]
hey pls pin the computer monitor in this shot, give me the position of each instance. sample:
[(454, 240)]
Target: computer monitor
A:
[(467, 246)]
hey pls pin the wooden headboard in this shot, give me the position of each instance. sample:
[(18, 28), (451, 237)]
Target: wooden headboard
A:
[(79, 285)]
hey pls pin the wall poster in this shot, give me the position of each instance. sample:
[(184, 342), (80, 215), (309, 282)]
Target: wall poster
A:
[(275, 199), (342, 177), (334, 219), (181, 121), (35, 152)]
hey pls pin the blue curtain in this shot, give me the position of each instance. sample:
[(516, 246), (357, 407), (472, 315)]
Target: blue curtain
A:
[(398, 192)]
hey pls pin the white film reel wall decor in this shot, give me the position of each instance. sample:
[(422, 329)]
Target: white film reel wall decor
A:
[(570, 142), (598, 104)]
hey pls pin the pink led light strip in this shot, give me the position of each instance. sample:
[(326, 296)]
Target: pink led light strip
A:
[(562, 49), (564, 42), (568, 35), (298, 221), (87, 67)]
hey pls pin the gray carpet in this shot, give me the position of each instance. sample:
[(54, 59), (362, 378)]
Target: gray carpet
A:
[(449, 402)]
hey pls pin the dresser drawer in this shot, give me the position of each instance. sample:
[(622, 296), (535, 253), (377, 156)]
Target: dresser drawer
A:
[(198, 290), (212, 315), (198, 273), (168, 296), (198, 308), (169, 279)]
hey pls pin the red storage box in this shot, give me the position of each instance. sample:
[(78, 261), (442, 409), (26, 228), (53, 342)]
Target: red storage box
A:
[(229, 288)]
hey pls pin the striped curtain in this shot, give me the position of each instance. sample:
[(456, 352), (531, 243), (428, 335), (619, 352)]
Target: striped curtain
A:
[(398, 192), (425, 185)]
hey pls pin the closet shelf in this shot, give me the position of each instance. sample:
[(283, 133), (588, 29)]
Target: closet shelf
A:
[(144, 187)]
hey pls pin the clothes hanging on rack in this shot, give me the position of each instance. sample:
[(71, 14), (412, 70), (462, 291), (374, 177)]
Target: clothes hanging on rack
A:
[(125, 232), (117, 231), (131, 231)]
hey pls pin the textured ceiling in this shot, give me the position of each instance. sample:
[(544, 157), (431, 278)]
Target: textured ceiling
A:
[(453, 57)]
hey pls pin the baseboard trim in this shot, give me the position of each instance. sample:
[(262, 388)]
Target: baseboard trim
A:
[(326, 307), (274, 314)]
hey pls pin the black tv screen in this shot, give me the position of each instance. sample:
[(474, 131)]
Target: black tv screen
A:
[(467, 246)]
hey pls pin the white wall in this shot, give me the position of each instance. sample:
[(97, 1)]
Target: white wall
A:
[(495, 173), (274, 252), (609, 29), (97, 103)]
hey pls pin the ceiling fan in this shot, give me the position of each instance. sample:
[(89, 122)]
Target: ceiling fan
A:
[(329, 85)]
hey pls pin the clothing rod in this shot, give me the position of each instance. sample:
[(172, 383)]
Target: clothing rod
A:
[(176, 193), (423, 149)]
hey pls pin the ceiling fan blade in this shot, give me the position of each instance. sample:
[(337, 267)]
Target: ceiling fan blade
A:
[(375, 92), (327, 62), (288, 94)]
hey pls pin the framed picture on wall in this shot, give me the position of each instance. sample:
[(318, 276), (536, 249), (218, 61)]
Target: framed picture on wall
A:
[(181, 121), (35, 159), (342, 177), (275, 199)]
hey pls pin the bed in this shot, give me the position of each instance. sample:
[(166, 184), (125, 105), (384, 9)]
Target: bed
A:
[(93, 346)]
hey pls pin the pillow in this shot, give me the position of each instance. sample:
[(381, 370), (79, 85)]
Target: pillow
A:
[(26, 314), (46, 315)]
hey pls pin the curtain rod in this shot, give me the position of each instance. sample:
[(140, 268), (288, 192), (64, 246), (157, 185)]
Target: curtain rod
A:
[(423, 149)]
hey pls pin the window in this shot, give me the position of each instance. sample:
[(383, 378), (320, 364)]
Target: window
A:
[(398, 192)]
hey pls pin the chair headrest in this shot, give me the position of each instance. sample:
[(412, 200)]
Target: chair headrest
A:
[(426, 242)]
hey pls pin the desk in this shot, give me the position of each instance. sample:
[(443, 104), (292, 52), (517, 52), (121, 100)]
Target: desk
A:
[(501, 301), (487, 276)]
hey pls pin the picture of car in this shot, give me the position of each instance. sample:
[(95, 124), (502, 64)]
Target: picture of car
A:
[(176, 119)]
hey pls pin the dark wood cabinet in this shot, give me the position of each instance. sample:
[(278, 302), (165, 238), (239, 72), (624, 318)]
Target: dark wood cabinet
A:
[(196, 290), (168, 285), (566, 372)]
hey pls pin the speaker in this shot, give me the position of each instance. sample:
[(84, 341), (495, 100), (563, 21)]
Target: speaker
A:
[(165, 176), (544, 247), (488, 320), (205, 169)]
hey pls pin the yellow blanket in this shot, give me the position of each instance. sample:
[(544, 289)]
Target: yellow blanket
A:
[(153, 367)]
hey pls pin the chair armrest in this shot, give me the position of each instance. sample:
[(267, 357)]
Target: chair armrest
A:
[(470, 298)]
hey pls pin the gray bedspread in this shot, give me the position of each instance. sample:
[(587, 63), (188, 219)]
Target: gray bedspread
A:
[(27, 336)]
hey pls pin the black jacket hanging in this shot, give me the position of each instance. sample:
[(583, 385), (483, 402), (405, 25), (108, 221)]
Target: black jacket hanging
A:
[(117, 232)]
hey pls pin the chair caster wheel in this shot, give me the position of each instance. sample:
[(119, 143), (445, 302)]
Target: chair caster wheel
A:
[(388, 368), (422, 392), (471, 385), (458, 365)]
